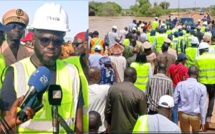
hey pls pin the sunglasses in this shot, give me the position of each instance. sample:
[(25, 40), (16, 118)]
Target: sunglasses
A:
[(77, 44), (46, 41), (14, 25)]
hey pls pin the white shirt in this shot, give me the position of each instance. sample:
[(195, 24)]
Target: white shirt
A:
[(97, 101), (120, 63)]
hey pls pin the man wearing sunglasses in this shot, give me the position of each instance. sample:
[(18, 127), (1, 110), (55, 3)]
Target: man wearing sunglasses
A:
[(11, 49), (50, 25)]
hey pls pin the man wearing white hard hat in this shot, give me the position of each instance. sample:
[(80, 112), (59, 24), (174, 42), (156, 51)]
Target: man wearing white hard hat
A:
[(192, 52), (50, 25), (94, 58), (159, 122), (191, 97), (206, 64)]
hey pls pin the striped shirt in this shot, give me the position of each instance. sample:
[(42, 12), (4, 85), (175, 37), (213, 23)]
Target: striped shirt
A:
[(158, 85)]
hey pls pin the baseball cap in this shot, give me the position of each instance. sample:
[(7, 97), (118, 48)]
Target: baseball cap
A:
[(114, 27), (98, 47), (104, 61), (4, 28), (203, 45), (167, 40), (182, 56), (166, 101)]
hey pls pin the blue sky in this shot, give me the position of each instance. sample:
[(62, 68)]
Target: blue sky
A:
[(77, 11), (173, 3)]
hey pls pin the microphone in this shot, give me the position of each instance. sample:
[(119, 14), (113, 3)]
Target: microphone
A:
[(55, 98), (38, 83)]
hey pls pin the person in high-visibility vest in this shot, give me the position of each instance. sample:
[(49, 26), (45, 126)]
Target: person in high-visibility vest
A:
[(175, 42), (151, 36), (155, 23), (48, 39), (181, 42), (96, 41), (207, 31), (192, 52), (144, 71), (159, 40), (206, 65), (160, 122)]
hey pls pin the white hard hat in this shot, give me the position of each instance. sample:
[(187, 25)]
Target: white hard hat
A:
[(194, 40), (199, 20), (51, 16), (179, 27), (203, 45), (166, 101), (205, 23), (156, 17), (98, 47)]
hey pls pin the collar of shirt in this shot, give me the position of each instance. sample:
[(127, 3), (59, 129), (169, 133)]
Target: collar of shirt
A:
[(160, 74), (191, 79)]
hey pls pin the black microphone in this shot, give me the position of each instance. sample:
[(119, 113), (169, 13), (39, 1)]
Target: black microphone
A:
[(55, 98), (38, 83)]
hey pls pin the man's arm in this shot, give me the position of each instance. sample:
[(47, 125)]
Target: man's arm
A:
[(142, 104), (8, 94), (203, 102), (108, 107), (176, 94)]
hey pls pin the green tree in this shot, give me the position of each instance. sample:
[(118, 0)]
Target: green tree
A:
[(212, 9), (164, 5)]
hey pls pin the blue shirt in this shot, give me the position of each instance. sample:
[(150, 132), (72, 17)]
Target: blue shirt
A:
[(191, 97), (107, 76), (94, 60)]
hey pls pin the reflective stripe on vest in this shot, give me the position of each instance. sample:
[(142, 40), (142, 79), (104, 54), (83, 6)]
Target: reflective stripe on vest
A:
[(76, 61), (191, 54), (94, 42), (2, 67), (70, 84), (142, 74), (206, 66), (141, 125)]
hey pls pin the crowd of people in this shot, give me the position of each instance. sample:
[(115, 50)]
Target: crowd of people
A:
[(145, 78), (152, 76)]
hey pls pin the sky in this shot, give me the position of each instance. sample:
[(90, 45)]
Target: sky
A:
[(125, 4), (77, 11)]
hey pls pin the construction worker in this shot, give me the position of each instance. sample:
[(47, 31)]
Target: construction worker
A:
[(158, 122), (47, 39), (175, 42), (159, 40), (11, 49), (208, 32), (155, 24), (187, 38), (205, 23), (96, 41), (151, 36), (181, 42), (206, 64), (192, 52)]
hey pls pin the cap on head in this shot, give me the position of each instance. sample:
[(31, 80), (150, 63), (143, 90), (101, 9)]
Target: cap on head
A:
[(166, 101), (199, 20), (182, 56), (28, 37), (198, 27), (98, 47), (179, 27), (205, 23), (167, 40), (203, 45), (170, 36), (156, 18), (15, 15), (81, 35), (114, 27), (194, 40), (146, 45), (51, 16)]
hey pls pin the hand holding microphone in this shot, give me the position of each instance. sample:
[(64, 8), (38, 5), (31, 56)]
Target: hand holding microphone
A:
[(38, 83)]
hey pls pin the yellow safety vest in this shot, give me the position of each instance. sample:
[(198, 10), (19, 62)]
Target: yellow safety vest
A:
[(191, 53), (181, 43), (84, 87), (159, 41), (154, 25), (151, 39), (2, 67), (203, 29), (142, 70), (206, 66), (67, 77), (141, 125), (187, 40)]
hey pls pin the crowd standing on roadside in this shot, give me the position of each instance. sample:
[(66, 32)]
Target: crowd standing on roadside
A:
[(147, 77)]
